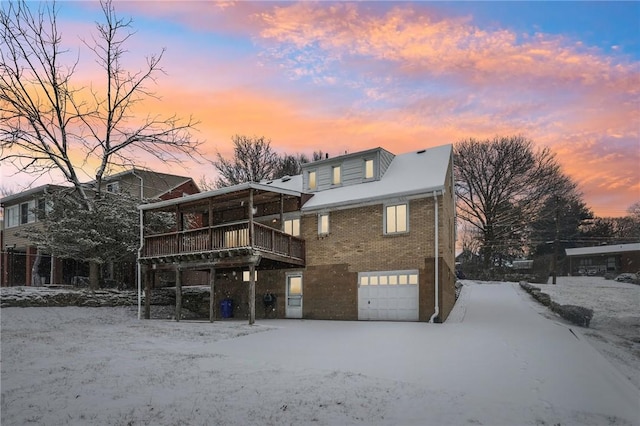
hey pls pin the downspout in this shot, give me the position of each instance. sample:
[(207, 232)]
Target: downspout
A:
[(138, 268), (436, 311)]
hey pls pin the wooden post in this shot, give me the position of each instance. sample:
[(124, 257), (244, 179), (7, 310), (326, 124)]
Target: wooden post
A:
[(148, 280), (178, 293), (212, 303), (282, 212), (251, 217), (252, 293)]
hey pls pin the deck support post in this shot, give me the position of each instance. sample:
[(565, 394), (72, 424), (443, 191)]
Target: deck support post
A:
[(212, 303), (178, 294), (252, 293), (148, 280)]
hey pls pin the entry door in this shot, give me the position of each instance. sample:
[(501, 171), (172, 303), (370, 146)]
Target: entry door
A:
[(294, 296)]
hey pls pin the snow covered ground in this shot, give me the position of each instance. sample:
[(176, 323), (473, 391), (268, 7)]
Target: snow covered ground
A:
[(496, 361), (615, 327)]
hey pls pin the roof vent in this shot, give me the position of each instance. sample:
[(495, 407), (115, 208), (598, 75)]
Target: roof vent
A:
[(270, 182), (286, 178), (422, 151)]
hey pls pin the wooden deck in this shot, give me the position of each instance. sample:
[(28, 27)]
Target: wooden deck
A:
[(224, 241)]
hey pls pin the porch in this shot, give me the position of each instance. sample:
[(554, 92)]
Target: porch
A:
[(240, 227)]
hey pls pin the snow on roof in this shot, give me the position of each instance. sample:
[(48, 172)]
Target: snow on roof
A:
[(220, 191), (608, 249), (290, 183), (20, 196), (409, 174)]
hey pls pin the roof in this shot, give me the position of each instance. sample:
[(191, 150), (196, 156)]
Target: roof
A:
[(410, 174), (608, 249), (215, 192), (29, 193)]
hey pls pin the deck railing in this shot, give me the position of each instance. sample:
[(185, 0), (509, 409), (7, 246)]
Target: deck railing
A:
[(223, 237)]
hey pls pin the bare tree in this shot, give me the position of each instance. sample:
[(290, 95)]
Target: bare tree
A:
[(253, 161), (45, 116), (502, 185)]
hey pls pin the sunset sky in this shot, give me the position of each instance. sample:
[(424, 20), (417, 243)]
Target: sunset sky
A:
[(343, 77)]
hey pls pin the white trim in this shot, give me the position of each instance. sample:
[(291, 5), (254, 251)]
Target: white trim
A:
[(293, 311), (384, 218), (321, 231)]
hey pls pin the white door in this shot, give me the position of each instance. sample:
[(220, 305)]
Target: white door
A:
[(293, 308), (388, 296)]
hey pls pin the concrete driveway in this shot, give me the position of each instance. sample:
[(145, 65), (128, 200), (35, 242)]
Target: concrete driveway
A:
[(497, 354)]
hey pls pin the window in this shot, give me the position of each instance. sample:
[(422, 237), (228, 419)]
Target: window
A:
[(368, 169), (292, 227), (394, 278), (113, 187), (12, 216), (20, 214), (396, 219), (336, 175), (312, 180), (323, 224), (246, 276)]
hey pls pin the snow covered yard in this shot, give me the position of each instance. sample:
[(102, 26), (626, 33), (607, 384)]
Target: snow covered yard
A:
[(615, 327), (496, 362)]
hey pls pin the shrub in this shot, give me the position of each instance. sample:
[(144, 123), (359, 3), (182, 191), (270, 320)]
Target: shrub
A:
[(541, 297), (576, 314)]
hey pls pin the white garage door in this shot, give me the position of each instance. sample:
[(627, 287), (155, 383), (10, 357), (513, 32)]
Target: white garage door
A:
[(388, 295)]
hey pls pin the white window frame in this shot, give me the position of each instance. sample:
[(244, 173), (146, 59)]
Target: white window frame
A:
[(312, 183), (369, 162), (292, 226), (385, 223), (336, 175), (392, 278), (12, 216), (322, 230)]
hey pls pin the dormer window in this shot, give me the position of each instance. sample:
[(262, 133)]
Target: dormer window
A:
[(312, 180), (368, 169), (336, 175)]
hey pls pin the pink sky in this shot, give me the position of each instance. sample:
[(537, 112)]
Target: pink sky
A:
[(343, 77)]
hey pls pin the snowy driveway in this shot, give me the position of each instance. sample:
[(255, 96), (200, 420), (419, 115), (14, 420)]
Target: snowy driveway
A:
[(497, 361)]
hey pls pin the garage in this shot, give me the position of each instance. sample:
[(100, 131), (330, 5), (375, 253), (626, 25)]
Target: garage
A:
[(388, 296)]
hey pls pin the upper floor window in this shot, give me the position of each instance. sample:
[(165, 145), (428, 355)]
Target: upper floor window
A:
[(323, 224), (20, 214), (312, 180), (368, 169), (292, 227), (396, 219), (336, 175), (113, 187)]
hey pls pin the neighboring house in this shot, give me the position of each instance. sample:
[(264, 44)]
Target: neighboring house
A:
[(599, 260), (149, 185), (18, 255), (367, 236)]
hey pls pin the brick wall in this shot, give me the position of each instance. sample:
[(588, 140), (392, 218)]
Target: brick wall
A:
[(356, 243)]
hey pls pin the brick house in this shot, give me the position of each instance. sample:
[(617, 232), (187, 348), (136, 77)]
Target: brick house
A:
[(600, 260), (18, 255), (363, 236)]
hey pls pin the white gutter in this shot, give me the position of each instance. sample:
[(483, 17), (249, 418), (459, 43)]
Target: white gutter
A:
[(436, 311), (138, 268)]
